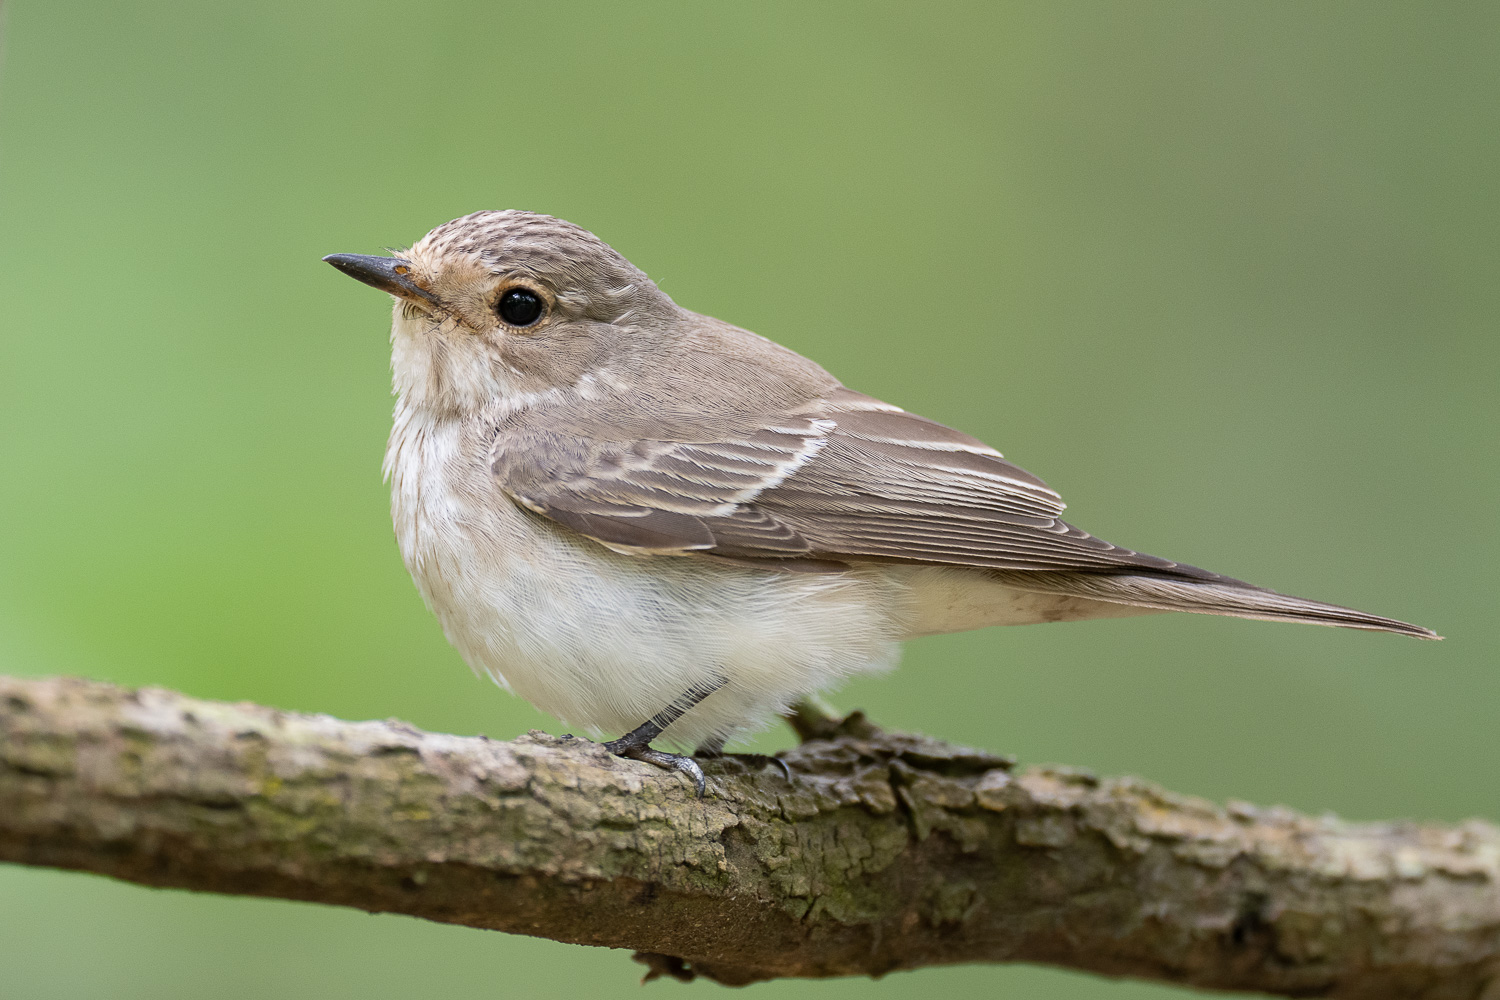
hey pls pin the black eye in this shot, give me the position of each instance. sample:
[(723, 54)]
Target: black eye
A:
[(520, 307)]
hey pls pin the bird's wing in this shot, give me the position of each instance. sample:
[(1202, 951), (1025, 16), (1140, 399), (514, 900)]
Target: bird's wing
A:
[(844, 477)]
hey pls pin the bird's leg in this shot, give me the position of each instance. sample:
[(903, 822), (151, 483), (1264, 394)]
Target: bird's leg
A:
[(636, 744), (714, 750), (710, 749)]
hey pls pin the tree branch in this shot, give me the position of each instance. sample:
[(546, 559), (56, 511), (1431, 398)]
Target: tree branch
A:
[(885, 852)]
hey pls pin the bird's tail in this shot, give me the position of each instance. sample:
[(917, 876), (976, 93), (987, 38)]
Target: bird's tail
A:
[(1208, 597)]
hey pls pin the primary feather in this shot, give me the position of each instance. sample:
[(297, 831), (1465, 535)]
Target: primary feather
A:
[(840, 479)]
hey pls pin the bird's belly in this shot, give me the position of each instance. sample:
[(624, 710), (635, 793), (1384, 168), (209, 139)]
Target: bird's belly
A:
[(604, 640)]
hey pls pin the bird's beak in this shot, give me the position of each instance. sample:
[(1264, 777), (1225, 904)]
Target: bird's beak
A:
[(389, 274)]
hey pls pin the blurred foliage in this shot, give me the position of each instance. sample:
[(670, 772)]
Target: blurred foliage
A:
[(1224, 274)]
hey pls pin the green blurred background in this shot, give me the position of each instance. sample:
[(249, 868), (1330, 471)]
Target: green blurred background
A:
[(1224, 274)]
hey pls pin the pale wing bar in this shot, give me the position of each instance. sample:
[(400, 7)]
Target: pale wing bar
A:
[(667, 496), (844, 477)]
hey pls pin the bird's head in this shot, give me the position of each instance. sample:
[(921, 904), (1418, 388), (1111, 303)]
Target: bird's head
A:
[(502, 305)]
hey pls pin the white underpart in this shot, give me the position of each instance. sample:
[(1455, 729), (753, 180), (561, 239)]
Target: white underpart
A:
[(954, 599), (606, 639)]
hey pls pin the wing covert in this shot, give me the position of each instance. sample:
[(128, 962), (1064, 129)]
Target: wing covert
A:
[(843, 478), (665, 496)]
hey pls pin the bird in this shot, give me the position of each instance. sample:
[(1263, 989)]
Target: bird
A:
[(649, 522)]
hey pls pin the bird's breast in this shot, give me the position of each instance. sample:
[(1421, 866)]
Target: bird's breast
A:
[(457, 531), (603, 639)]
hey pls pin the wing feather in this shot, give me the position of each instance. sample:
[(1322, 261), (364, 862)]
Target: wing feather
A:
[(843, 477)]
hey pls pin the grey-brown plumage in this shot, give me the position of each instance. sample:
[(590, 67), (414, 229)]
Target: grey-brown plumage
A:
[(580, 466), (837, 479), (745, 450)]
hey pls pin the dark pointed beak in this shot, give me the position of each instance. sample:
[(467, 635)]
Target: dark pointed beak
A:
[(389, 274)]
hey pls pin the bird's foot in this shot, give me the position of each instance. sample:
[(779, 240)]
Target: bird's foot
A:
[(636, 744), (636, 748), (714, 750)]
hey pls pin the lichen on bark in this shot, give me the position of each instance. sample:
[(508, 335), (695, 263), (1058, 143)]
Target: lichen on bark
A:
[(884, 851)]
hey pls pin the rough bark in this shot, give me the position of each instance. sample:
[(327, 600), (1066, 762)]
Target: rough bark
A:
[(883, 852)]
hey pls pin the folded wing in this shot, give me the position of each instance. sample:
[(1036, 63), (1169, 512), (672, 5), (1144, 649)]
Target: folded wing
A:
[(845, 477)]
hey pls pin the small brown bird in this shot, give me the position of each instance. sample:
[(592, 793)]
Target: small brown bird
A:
[(623, 510)]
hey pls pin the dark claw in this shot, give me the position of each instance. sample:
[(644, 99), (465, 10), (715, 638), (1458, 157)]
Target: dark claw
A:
[(759, 759), (786, 769)]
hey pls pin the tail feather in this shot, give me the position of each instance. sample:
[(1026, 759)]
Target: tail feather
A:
[(1207, 597)]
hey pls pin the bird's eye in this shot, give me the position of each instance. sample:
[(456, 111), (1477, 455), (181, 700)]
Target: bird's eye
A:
[(520, 307)]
